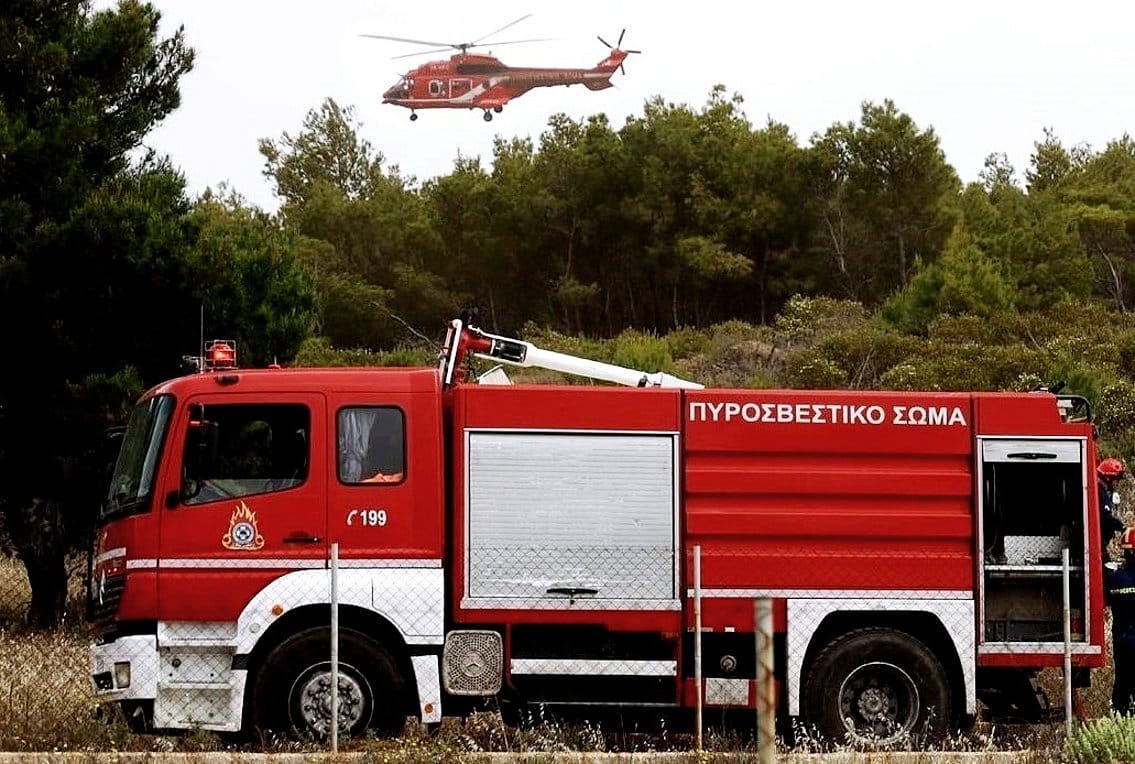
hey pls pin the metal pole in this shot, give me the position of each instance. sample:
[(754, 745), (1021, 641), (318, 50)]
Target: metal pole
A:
[(335, 648), (697, 640), (1067, 643), (766, 686)]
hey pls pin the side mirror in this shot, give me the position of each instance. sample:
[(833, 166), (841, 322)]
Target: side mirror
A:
[(189, 488)]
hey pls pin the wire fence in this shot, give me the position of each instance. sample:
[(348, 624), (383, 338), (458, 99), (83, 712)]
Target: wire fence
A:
[(876, 659)]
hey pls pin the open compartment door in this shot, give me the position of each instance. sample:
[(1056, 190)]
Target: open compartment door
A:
[(1034, 505)]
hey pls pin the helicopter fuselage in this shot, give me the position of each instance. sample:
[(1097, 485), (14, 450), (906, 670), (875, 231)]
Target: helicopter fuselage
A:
[(467, 81)]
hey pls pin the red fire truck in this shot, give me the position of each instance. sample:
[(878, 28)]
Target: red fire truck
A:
[(537, 543)]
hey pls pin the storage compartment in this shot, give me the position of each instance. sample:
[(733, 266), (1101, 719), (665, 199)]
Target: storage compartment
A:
[(571, 520), (1025, 604), (1034, 501)]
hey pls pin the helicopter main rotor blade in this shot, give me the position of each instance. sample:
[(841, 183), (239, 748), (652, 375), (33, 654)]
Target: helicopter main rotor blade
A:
[(441, 47), (514, 42), (406, 39), (463, 48), (422, 53), (506, 26)]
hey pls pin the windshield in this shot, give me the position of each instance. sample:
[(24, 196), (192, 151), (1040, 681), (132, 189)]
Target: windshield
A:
[(133, 479), (402, 89)]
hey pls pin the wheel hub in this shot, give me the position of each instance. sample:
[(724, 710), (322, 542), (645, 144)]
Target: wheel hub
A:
[(879, 703), (875, 703), (314, 701)]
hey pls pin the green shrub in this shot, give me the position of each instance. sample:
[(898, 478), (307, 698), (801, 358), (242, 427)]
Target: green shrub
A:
[(809, 370), (584, 347), (736, 365), (961, 330), (644, 352), (687, 342), (763, 379), (941, 366), (1125, 351), (907, 375), (318, 352), (1115, 416), (1110, 740), (406, 356), (728, 333), (806, 318), (865, 353)]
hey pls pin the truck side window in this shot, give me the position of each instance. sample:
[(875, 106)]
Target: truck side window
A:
[(239, 450), (372, 445)]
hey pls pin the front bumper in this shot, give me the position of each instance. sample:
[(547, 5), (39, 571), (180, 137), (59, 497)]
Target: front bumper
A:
[(140, 653)]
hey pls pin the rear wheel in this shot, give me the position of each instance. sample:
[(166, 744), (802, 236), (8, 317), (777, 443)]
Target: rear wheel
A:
[(292, 690), (877, 686)]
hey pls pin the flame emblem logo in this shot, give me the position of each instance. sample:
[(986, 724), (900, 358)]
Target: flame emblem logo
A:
[(243, 534)]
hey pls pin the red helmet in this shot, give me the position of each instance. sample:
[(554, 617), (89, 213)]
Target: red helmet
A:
[(1127, 540), (1111, 468)]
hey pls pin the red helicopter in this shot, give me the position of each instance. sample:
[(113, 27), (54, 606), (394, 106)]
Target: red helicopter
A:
[(472, 81)]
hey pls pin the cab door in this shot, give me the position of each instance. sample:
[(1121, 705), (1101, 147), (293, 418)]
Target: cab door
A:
[(385, 479), (244, 501)]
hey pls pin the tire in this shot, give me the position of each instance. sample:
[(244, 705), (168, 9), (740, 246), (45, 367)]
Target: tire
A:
[(877, 686), (291, 690)]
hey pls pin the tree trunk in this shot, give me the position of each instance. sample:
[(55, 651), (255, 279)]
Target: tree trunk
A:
[(47, 575), (35, 530), (674, 305), (903, 280)]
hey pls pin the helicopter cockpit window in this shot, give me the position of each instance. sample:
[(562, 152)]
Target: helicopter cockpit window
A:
[(401, 89), (437, 87)]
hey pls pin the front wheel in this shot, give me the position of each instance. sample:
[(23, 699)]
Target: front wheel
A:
[(292, 690), (877, 686)]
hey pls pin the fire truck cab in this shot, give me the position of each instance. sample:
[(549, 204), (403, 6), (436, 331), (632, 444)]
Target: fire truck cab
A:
[(537, 542)]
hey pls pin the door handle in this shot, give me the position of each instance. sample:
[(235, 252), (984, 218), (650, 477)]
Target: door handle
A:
[(301, 538), (571, 591)]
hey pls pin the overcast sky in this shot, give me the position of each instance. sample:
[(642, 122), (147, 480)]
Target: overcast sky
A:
[(987, 76)]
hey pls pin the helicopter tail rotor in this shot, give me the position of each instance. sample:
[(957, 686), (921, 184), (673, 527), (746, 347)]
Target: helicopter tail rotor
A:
[(618, 46)]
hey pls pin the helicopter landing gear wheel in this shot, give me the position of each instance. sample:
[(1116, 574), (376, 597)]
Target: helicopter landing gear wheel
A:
[(488, 117), (498, 109), (413, 117)]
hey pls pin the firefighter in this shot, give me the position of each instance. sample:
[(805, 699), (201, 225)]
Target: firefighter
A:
[(1121, 599), (1110, 472)]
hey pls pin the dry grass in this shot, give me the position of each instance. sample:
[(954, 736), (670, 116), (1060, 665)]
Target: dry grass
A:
[(15, 595), (14, 592), (46, 702), (45, 698)]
